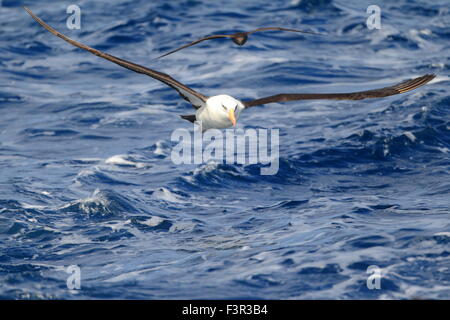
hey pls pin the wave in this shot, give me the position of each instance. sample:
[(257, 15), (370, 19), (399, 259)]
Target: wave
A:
[(102, 204)]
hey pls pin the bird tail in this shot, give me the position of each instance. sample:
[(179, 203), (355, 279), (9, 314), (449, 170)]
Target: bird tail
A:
[(189, 117)]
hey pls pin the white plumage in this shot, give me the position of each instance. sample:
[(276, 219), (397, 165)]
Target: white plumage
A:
[(219, 112)]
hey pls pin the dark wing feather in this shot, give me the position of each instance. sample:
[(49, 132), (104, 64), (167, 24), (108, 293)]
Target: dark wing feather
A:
[(369, 94), (195, 98), (194, 43), (280, 29)]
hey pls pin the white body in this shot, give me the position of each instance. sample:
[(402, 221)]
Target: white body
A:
[(214, 114)]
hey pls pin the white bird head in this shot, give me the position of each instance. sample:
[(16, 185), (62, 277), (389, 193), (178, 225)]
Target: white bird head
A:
[(225, 108)]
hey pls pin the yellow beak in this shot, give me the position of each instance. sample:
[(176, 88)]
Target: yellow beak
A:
[(232, 117)]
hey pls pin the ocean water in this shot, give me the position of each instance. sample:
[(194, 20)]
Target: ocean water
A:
[(86, 176)]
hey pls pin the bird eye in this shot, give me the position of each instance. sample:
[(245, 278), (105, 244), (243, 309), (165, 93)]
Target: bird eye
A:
[(224, 108)]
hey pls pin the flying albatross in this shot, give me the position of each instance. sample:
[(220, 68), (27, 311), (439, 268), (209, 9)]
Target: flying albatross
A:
[(222, 111), (240, 38)]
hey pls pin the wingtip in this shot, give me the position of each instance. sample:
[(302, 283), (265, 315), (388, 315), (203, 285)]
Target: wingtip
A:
[(426, 78), (429, 77), (161, 56), (28, 11), (414, 83)]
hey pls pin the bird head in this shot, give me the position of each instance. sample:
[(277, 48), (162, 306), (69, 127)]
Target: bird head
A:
[(240, 38), (226, 108)]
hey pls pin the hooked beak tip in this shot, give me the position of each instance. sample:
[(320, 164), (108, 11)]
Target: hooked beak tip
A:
[(232, 117)]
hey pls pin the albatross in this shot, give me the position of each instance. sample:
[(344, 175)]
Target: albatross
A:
[(223, 111), (239, 38)]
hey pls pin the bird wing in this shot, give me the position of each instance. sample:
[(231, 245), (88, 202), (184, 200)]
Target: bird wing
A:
[(194, 43), (280, 29), (194, 97), (359, 95), (231, 36)]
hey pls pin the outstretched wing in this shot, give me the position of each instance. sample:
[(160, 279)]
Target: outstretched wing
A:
[(195, 98), (194, 43), (233, 36), (281, 29), (369, 94)]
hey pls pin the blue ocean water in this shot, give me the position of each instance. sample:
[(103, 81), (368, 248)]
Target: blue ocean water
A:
[(86, 176)]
